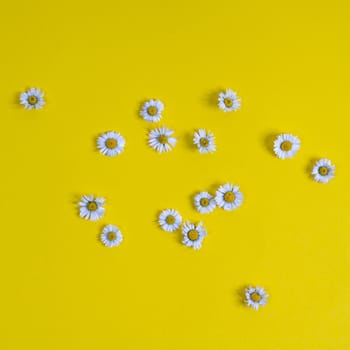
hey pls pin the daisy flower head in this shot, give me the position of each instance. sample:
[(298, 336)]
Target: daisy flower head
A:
[(204, 202), (255, 297), (111, 236), (229, 197), (32, 99), (161, 140), (111, 143), (229, 101), (151, 110), (193, 235), (323, 171), (170, 220), (91, 208), (286, 146), (205, 141)]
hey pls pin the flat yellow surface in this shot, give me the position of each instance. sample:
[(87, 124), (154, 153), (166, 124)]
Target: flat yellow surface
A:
[(97, 62)]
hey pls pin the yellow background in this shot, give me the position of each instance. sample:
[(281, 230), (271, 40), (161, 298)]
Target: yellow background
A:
[(97, 62)]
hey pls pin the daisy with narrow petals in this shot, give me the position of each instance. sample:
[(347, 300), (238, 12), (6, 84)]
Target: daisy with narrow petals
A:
[(91, 208), (204, 202), (151, 110), (193, 235), (111, 236), (323, 171), (161, 140), (205, 141), (229, 197), (286, 146), (32, 99), (170, 220), (229, 101), (111, 143), (255, 297)]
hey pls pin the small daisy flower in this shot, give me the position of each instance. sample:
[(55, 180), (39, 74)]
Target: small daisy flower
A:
[(161, 140), (170, 220), (286, 146), (229, 197), (193, 235), (229, 101), (204, 202), (111, 236), (111, 143), (91, 208), (323, 171), (205, 141), (255, 297), (32, 99), (151, 110)]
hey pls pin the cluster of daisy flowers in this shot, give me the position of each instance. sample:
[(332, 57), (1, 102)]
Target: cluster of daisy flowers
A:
[(162, 139), (193, 235), (228, 197), (92, 208), (287, 146)]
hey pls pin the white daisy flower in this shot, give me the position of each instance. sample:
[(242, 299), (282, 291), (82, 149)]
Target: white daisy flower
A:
[(205, 141), (229, 101), (323, 171), (229, 197), (111, 236), (91, 208), (170, 220), (160, 139), (286, 146), (193, 235), (151, 110), (255, 297), (204, 202), (32, 99), (111, 143)]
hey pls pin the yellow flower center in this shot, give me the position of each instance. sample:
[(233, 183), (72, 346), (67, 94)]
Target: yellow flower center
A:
[(193, 235), (111, 236), (204, 202), (111, 143), (170, 220), (286, 146), (92, 206), (255, 297), (152, 111), (204, 142), (323, 170), (229, 197), (32, 100), (228, 102), (163, 139)]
